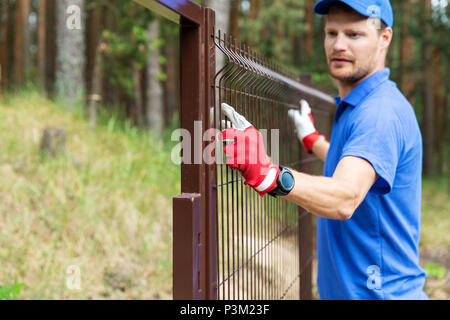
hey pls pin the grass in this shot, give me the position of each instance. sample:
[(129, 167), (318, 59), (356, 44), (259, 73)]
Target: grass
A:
[(103, 207), (435, 270), (10, 291), (436, 213), (435, 238)]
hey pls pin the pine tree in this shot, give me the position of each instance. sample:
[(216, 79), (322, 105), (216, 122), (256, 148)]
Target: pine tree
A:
[(154, 103), (41, 57), (21, 41), (70, 50)]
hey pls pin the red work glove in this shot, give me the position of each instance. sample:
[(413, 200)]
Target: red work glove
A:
[(304, 124), (245, 152)]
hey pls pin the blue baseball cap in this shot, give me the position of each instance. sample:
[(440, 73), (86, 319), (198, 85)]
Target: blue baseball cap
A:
[(370, 8)]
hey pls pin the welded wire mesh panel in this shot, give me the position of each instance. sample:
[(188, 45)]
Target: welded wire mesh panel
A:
[(258, 239)]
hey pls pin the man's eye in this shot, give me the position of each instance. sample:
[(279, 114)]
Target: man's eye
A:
[(354, 35)]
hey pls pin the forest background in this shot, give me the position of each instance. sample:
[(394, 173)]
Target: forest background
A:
[(111, 81)]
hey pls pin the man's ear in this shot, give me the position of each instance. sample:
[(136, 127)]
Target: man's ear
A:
[(386, 37)]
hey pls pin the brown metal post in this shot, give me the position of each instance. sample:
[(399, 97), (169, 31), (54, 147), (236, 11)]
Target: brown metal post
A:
[(210, 220), (191, 173), (305, 228), (197, 48), (305, 242), (306, 254), (186, 246)]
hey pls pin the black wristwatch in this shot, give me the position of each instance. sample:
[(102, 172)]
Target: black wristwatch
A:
[(285, 183)]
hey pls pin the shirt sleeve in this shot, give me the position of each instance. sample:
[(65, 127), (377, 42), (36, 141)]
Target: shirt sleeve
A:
[(376, 138)]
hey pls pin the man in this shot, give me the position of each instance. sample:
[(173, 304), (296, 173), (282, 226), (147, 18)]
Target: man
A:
[(368, 202)]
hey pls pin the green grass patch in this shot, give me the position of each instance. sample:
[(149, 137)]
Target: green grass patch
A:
[(10, 291), (103, 206), (436, 212), (435, 270)]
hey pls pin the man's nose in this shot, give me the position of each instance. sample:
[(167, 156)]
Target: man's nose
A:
[(339, 43)]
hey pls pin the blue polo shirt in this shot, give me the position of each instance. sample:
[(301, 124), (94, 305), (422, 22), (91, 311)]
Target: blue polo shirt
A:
[(375, 255)]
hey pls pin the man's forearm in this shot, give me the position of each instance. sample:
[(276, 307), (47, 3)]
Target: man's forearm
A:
[(322, 196), (320, 149)]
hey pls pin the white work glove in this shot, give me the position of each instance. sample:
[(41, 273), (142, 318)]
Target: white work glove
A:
[(304, 126), (238, 121)]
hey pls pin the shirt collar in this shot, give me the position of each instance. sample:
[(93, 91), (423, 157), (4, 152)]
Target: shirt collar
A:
[(362, 90)]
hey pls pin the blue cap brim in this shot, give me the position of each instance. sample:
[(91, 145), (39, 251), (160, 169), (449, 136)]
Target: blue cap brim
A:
[(322, 7)]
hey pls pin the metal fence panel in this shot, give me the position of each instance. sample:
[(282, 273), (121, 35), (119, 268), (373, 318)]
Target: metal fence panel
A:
[(264, 244), (228, 242)]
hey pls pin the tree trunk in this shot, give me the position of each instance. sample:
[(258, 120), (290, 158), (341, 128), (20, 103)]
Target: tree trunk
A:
[(4, 44), (50, 48), (255, 7), (111, 94), (222, 9), (171, 85), (41, 58), (136, 106), (280, 34), (71, 50), (94, 63), (154, 105), (438, 110), (21, 40), (407, 79), (93, 34), (309, 32), (428, 107), (96, 84), (234, 18), (446, 122)]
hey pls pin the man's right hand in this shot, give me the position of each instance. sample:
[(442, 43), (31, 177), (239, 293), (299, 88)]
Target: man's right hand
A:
[(304, 126)]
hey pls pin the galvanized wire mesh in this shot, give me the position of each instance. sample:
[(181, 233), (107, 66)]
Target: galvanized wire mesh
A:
[(228, 242), (258, 239)]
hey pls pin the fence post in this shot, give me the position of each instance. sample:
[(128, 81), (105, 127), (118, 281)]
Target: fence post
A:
[(186, 246), (210, 220), (305, 246), (306, 254), (197, 178), (305, 227)]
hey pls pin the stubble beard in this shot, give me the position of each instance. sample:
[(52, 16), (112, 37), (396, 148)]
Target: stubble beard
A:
[(355, 77)]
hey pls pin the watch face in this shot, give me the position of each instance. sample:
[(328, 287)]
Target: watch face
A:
[(287, 181)]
